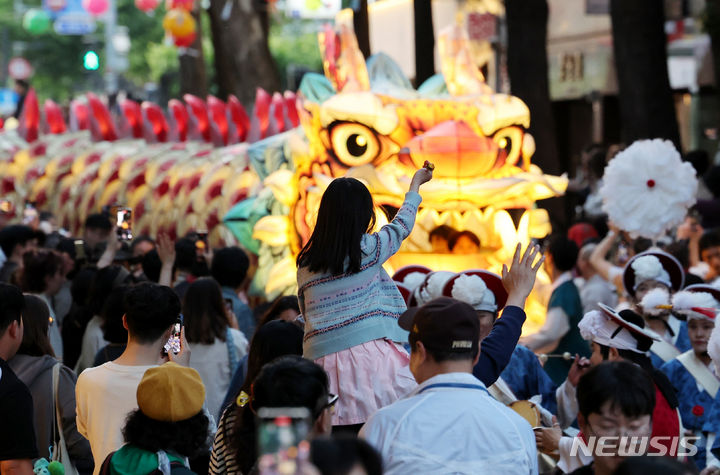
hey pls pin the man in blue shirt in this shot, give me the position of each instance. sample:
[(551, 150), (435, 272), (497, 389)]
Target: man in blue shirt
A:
[(229, 268), (449, 423)]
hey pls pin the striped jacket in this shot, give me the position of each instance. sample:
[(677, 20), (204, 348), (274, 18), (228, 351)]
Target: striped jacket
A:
[(347, 310)]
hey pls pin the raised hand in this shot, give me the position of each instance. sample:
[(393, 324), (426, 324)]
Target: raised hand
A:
[(548, 438), (111, 249), (520, 278), (166, 252), (579, 367), (166, 249), (423, 175)]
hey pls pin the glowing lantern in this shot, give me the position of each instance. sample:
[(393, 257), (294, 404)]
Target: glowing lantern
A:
[(146, 5), (181, 4), (179, 23), (185, 41), (539, 225), (95, 7), (56, 5), (36, 21), (455, 149)]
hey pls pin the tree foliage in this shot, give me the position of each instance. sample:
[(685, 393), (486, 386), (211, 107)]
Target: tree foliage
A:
[(57, 59)]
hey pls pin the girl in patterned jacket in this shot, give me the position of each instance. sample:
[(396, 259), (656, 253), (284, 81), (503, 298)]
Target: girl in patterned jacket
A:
[(351, 305)]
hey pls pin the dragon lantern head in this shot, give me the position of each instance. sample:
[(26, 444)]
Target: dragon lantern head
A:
[(366, 121)]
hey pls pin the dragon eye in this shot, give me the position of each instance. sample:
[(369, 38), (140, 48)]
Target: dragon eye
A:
[(354, 144)]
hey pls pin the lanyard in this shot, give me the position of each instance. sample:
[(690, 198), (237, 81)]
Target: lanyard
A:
[(453, 385)]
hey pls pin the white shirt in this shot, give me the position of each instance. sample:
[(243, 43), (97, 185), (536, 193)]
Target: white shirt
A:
[(569, 463), (567, 405), (213, 364), (104, 396), (445, 428)]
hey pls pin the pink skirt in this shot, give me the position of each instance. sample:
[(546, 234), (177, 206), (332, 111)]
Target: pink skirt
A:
[(366, 378)]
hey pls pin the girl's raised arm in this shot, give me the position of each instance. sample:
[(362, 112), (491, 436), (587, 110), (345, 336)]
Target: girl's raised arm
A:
[(390, 237)]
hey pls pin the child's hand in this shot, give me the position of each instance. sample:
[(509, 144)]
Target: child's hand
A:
[(421, 176)]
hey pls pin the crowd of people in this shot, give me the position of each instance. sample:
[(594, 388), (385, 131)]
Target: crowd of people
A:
[(149, 357)]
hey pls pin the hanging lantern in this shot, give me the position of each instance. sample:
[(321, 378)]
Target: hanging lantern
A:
[(146, 5), (182, 4), (56, 5), (185, 41), (178, 23), (36, 21), (95, 7)]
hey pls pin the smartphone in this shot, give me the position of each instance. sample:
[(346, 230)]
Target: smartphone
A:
[(173, 343), (282, 439), (123, 222), (79, 250)]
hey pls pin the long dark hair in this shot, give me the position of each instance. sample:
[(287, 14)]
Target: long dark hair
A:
[(37, 265), (289, 381), (346, 213), (36, 318), (204, 312), (104, 281), (272, 340)]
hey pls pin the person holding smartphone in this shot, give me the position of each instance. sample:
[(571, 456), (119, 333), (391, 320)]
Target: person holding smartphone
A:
[(106, 394)]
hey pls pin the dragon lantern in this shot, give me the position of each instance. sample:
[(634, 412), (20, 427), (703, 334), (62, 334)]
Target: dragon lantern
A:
[(366, 121)]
